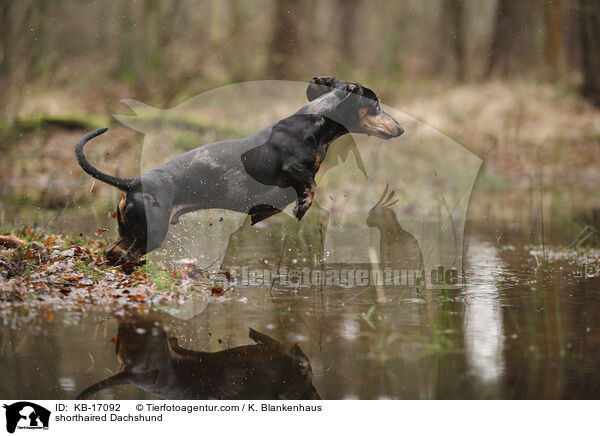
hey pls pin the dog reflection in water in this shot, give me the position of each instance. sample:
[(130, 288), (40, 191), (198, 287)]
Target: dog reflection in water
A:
[(265, 370)]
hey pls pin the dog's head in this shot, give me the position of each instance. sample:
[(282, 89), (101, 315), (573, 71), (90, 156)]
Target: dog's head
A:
[(355, 106)]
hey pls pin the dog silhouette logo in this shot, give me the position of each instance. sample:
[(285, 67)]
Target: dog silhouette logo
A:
[(26, 415)]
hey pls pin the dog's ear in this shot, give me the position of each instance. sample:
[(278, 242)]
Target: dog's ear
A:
[(344, 93), (320, 85), (354, 88), (329, 104), (347, 90)]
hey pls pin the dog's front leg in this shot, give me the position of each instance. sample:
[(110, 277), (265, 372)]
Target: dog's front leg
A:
[(303, 181), (305, 199)]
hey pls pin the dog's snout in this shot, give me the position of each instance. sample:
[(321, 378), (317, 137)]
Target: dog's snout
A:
[(400, 129), (393, 128), (397, 129)]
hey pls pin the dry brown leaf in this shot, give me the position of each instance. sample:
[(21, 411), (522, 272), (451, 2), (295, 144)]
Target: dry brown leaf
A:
[(10, 241), (217, 290), (137, 297), (72, 277), (49, 315)]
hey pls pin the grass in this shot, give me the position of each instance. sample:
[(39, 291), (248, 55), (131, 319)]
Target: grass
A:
[(163, 278), (40, 123)]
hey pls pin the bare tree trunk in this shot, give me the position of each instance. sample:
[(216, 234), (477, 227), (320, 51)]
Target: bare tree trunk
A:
[(236, 56), (125, 62), (5, 35), (504, 30), (391, 39), (347, 21), (553, 15), (215, 22), (284, 42), (154, 42), (451, 57), (572, 37), (456, 8), (589, 27)]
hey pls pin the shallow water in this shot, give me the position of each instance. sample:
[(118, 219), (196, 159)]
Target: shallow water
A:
[(519, 328)]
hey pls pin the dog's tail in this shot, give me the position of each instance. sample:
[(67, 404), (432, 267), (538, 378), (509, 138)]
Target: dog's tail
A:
[(117, 182)]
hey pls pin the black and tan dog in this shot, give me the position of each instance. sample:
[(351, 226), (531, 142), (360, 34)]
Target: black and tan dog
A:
[(258, 175), (265, 370)]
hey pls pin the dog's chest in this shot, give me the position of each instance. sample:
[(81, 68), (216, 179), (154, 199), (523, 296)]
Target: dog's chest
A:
[(320, 157)]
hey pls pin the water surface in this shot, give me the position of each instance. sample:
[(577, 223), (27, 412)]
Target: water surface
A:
[(519, 328)]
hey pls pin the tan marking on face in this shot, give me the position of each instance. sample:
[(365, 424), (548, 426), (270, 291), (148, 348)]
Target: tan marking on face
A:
[(376, 125), (317, 162)]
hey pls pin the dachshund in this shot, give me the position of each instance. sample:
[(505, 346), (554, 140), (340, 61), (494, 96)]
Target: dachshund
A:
[(157, 364), (258, 175)]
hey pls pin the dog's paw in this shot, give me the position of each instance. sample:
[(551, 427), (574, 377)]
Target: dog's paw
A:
[(301, 208)]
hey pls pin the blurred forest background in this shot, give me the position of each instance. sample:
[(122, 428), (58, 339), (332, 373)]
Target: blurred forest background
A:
[(168, 50), (516, 82)]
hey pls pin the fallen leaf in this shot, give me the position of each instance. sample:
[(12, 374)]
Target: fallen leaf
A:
[(217, 290), (44, 286), (10, 241), (139, 275), (72, 277), (137, 297)]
